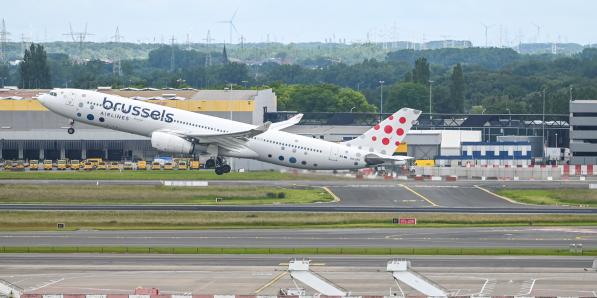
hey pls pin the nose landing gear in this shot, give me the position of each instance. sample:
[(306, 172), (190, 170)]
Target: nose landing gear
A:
[(71, 130)]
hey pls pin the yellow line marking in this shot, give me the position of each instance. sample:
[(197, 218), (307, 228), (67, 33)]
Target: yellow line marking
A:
[(498, 196), (275, 279), (420, 195), (336, 198)]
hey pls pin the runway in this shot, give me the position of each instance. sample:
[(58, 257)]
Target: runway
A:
[(506, 237), (266, 275)]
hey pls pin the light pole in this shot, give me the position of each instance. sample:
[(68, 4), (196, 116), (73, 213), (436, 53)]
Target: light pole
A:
[(430, 96), (3, 78), (381, 99), (352, 109), (244, 83), (543, 124)]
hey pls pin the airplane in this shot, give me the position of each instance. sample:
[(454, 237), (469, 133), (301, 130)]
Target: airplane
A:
[(178, 131)]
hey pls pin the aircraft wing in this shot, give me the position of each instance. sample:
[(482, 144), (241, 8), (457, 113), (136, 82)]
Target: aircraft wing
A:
[(287, 123), (240, 135), (231, 141)]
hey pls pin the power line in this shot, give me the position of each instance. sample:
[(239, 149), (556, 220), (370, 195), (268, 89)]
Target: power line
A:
[(3, 40), (116, 64), (78, 37)]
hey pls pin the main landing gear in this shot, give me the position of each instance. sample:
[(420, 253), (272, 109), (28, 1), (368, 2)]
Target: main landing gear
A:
[(219, 164), (71, 130)]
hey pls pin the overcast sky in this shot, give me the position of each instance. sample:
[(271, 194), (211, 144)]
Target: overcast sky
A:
[(306, 20)]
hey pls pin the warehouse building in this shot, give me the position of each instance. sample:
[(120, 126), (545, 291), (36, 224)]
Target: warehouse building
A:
[(29, 131), (583, 132)]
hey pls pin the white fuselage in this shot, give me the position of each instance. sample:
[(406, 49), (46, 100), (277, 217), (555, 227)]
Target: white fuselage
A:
[(144, 118)]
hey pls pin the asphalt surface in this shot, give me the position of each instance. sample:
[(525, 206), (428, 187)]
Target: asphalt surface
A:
[(506, 237), (291, 208), (89, 260)]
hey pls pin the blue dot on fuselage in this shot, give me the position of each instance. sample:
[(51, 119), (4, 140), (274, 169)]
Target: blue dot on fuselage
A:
[(292, 160), (281, 157), (89, 117), (78, 114)]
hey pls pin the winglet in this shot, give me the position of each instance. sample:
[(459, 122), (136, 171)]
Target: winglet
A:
[(287, 123)]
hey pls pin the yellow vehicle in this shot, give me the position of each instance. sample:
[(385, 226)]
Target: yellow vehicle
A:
[(33, 165), (114, 165), (88, 166), (20, 166), (48, 165), (156, 166), (61, 165), (95, 161), (141, 165), (424, 162), (8, 165), (195, 165), (101, 165), (182, 165), (127, 165), (168, 166), (74, 164)]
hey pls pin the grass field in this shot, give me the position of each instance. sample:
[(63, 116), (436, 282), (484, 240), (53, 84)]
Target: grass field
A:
[(177, 220), (159, 175), (294, 251), (149, 194), (565, 196)]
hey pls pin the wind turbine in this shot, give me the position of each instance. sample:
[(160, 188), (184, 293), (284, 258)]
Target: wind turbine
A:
[(486, 29), (230, 22)]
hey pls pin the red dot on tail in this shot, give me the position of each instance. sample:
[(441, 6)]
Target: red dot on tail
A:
[(402, 120), (376, 127), (391, 117), (385, 141), (397, 143), (374, 138), (400, 131), (388, 129)]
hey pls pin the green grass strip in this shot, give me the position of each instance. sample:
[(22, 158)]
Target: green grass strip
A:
[(559, 196), (305, 251)]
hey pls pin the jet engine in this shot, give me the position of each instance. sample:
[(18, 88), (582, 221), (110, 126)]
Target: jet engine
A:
[(171, 143)]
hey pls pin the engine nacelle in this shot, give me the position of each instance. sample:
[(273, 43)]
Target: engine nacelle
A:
[(171, 143)]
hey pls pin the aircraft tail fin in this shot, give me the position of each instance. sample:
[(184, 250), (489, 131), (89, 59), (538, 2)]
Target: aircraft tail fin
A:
[(385, 136)]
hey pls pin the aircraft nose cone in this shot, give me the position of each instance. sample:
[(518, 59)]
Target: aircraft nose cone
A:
[(44, 99)]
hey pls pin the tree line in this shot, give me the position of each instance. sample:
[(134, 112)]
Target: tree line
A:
[(477, 80)]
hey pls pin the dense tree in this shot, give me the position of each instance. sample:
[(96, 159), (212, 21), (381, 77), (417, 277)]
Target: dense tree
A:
[(320, 98), (421, 73), (406, 94), (34, 69), (457, 90)]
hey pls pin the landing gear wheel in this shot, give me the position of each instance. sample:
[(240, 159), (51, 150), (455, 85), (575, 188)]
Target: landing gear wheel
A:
[(210, 164), (225, 168), (70, 130), (219, 171)]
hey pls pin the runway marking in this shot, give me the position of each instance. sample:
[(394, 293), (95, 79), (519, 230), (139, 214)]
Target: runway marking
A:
[(527, 287), (46, 284), (336, 198), (420, 195), (271, 282), (498, 196)]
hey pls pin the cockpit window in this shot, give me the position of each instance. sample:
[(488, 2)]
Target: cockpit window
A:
[(53, 93)]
